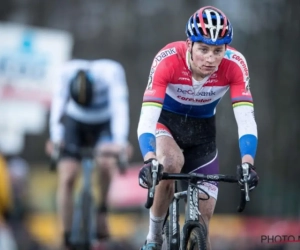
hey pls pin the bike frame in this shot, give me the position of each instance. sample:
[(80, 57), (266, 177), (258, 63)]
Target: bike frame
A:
[(174, 227), (84, 225), (83, 228)]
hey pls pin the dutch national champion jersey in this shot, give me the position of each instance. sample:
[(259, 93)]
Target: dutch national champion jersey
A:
[(171, 87), (110, 101)]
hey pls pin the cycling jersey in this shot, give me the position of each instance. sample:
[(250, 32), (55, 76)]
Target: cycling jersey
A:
[(109, 102), (171, 87)]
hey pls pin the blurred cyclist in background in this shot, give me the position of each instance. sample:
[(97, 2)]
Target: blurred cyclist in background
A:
[(89, 108), (19, 172), (177, 123), (7, 241)]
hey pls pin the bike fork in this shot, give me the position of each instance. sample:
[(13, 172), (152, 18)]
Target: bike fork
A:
[(192, 212), (174, 228)]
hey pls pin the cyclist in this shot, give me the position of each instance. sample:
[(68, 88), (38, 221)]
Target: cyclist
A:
[(90, 108), (6, 206), (177, 122)]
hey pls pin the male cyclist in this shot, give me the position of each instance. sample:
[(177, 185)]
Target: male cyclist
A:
[(177, 122), (90, 108)]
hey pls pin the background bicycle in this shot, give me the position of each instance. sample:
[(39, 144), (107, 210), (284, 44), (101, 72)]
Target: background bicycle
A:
[(84, 223)]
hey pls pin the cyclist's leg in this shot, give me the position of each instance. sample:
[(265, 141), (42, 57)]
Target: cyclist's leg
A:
[(207, 164), (106, 167), (170, 156), (106, 164), (68, 167)]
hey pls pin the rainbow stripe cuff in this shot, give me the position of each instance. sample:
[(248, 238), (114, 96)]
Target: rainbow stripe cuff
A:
[(237, 104), (153, 104)]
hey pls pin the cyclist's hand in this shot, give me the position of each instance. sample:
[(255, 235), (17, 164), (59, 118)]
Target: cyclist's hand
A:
[(145, 175), (252, 177), (52, 147), (54, 155), (122, 161), (49, 147)]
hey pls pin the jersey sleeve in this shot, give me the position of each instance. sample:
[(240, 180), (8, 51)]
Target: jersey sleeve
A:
[(59, 100), (118, 103), (242, 103), (159, 77)]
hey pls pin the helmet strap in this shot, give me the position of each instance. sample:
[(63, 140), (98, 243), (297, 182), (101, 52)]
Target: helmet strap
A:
[(192, 51)]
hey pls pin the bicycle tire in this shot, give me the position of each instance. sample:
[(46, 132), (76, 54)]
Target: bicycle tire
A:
[(86, 220), (197, 239)]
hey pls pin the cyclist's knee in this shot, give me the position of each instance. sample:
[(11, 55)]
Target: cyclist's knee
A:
[(106, 156), (106, 163), (172, 164), (68, 169)]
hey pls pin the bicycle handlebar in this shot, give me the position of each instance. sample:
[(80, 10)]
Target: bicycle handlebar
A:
[(122, 160), (200, 177)]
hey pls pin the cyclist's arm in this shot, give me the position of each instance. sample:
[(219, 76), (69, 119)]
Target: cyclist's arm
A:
[(243, 108), (59, 100), (119, 104), (152, 105)]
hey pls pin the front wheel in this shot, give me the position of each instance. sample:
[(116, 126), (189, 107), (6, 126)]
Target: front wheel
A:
[(86, 217), (197, 239)]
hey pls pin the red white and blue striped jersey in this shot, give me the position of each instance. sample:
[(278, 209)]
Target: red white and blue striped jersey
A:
[(171, 87)]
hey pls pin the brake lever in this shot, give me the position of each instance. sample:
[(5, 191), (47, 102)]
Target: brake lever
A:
[(151, 190), (154, 176), (245, 168)]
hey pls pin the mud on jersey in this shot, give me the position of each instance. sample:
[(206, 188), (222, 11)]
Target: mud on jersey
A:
[(172, 88)]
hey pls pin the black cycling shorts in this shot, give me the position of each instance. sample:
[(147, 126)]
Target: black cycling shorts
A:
[(78, 135), (197, 139)]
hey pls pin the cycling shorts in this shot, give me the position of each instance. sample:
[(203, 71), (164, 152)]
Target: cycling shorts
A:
[(78, 135), (197, 139)]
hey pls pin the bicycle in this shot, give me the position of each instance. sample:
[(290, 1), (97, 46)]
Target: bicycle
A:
[(194, 233), (83, 230)]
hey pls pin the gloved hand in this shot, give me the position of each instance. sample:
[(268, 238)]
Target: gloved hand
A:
[(145, 175), (252, 177), (55, 154)]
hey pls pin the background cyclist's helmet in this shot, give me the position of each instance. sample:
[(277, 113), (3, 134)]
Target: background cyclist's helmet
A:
[(210, 26), (81, 88)]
